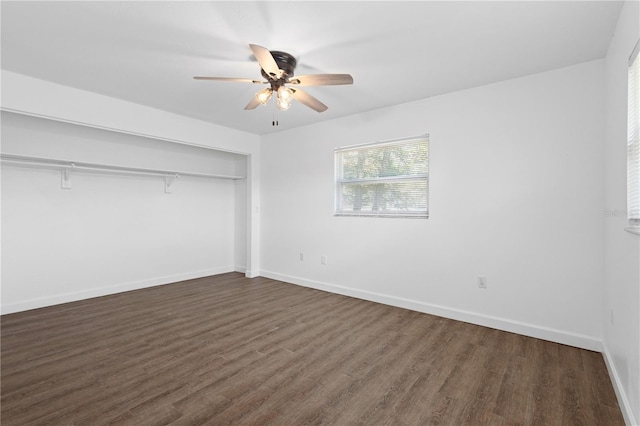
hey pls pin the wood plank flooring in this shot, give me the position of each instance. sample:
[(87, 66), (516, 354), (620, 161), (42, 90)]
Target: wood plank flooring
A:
[(227, 350)]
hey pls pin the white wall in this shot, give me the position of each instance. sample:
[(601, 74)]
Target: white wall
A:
[(516, 195), (621, 295)]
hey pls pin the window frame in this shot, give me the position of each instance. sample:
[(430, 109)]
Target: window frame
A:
[(340, 181)]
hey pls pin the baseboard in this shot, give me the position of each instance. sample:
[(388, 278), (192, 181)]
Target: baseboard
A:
[(251, 273), (623, 400), (531, 330), (104, 291)]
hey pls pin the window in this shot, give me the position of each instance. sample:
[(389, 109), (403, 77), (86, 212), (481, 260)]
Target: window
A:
[(385, 179), (633, 139)]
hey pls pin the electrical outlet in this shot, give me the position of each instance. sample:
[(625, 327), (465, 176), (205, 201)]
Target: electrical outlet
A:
[(482, 282), (301, 256), (323, 260)]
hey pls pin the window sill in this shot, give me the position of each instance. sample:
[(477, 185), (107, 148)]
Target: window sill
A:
[(633, 229)]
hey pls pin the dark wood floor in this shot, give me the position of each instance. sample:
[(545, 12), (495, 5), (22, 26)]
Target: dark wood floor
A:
[(230, 350)]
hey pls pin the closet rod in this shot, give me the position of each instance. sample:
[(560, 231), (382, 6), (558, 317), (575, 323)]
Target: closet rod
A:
[(81, 165)]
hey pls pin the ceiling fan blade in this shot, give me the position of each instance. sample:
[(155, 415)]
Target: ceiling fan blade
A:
[(252, 104), (266, 61), (322, 79), (239, 80), (308, 100)]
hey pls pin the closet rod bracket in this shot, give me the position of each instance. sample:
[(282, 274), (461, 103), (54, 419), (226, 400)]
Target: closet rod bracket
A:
[(168, 182), (66, 177)]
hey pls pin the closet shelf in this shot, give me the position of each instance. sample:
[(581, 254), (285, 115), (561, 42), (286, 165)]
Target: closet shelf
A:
[(110, 168)]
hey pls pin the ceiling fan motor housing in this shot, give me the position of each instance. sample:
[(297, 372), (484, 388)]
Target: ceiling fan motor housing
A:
[(286, 62)]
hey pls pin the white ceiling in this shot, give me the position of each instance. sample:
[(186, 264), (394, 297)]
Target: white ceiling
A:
[(148, 52)]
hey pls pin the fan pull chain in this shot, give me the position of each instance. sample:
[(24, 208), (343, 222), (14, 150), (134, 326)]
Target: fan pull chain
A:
[(274, 121)]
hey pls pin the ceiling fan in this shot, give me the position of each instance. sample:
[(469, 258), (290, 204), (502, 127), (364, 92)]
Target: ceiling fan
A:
[(277, 68)]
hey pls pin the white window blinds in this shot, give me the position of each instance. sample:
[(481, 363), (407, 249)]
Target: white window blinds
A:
[(633, 137), (387, 179)]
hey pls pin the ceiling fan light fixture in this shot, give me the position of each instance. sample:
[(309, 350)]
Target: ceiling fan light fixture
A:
[(264, 95), (285, 93), (283, 104), (285, 97)]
